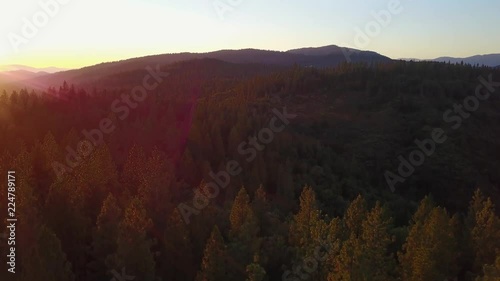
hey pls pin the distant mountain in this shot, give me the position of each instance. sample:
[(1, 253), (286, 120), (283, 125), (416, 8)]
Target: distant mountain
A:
[(17, 79), (320, 51), (411, 59), (328, 56), (195, 70), (19, 75), (491, 60), (16, 67), (335, 54)]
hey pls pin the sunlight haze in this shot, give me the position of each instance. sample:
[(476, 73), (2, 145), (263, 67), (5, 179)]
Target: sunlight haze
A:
[(83, 33)]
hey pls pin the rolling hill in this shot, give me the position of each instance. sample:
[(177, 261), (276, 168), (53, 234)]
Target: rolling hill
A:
[(17, 79), (18, 67), (328, 56), (491, 60)]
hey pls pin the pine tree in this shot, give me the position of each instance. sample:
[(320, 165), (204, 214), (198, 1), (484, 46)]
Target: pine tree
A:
[(430, 248), (329, 249), (364, 254), (239, 212), (213, 265), (354, 216), (94, 179), (64, 214), (50, 153), (134, 169), (307, 227), (262, 208), (484, 228), (178, 249), (491, 272), (155, 187), (255, 271), (376, 263), (47, 261), (105, 236), (134, 247), (244, 230), (307, 231)]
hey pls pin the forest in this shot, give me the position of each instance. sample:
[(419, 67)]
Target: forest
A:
[(308, 199)]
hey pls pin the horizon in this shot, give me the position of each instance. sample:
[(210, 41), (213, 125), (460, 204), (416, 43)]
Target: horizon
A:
[(4, 67), (223, 140), (401, 29)]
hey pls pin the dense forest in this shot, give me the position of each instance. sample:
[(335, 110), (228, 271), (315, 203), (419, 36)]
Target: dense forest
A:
[(249, 172)]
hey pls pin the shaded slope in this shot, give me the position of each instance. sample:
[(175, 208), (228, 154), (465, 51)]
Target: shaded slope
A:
[(331, 56)]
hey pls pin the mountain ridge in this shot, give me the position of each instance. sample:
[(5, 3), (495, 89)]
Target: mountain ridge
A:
[(491, 60), (320, 57), (18, 67), (330, 56)]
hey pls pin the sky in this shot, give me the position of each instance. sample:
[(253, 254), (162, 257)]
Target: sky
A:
[(77, 33)]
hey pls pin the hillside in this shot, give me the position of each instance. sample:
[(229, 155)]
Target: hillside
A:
[(491, 60), (329, 56), (17, 67), (17, 79), (236, 157), (361, 114)]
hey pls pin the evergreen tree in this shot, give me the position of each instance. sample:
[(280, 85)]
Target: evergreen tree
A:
[(307, 227), (307, 231), (430, 248), (213, 265), (484, 228), (376, 263), (364, 254), (261, 207), (155, 187), (354, 216), (255, 271), (244, 229), (344, 257), (239, 212), (47, 261), (178, 256), (134, 247), (134, 169), (105, 236), (64, 214), (491, 272)]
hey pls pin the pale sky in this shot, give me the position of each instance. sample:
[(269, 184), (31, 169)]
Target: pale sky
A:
[(86, 32)]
